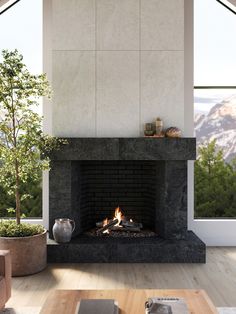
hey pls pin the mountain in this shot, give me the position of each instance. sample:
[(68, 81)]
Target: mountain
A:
[(220, 124)]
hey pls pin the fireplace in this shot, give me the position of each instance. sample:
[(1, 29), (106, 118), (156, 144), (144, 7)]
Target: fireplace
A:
[(128, 197)]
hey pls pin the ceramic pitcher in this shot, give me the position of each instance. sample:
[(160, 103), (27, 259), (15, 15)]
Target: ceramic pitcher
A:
[(62, 230)]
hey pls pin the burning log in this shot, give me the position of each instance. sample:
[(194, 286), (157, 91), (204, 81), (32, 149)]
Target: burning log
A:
[(131, 224), (127, 229), (124, 223), (119, 223), (108, 226), (99, 224)]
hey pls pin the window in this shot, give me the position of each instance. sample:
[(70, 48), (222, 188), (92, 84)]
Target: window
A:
[(21, 28), (215, 110)]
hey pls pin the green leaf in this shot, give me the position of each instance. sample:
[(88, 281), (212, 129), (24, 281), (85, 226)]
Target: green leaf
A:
[(24, 149)]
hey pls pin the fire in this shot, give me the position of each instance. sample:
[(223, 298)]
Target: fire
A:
[(105, 222), (118, 215), (118, 225)]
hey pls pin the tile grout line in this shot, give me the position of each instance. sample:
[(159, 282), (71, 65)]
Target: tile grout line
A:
[(140, 68), (95, 71), (161, 50)]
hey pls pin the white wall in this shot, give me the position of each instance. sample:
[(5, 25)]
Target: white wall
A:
[(114, 65)]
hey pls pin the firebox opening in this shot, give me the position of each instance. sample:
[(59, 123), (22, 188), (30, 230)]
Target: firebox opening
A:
[(118, 198)]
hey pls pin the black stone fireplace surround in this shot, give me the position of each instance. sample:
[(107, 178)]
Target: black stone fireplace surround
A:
[(146, 177)]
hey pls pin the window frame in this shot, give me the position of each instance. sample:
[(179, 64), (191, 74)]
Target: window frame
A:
[(37, 220), (214, 232)]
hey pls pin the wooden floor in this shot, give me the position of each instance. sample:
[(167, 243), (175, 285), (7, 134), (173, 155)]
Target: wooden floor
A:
[(217, 277)]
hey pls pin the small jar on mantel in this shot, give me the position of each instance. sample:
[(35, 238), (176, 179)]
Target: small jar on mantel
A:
[(159, 127), (148, 129)]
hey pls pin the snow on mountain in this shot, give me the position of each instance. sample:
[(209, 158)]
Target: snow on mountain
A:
[(199, 119), (219, 124)]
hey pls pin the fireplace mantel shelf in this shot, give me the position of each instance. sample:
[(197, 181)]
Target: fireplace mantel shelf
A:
[(135, 148)]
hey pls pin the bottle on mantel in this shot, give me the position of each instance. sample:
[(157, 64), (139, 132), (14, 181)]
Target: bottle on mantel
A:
[(159, 127)]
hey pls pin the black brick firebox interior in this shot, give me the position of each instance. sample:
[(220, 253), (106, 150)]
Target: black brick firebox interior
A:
[(146, 177), (104, 185)]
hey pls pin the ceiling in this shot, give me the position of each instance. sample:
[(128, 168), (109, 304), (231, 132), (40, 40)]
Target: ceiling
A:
[(2, 2), (233, 2), (5, 4)]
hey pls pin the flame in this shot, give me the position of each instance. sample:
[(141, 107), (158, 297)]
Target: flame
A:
[(118, 215), (105, 222)]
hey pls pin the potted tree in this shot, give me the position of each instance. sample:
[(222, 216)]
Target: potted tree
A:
[(24, 152)]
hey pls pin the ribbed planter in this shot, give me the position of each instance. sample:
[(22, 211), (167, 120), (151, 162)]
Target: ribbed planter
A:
[(28, 254)]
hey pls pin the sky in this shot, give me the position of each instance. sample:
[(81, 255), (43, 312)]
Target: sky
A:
[(21, 28), (214, 44), (214, 52)]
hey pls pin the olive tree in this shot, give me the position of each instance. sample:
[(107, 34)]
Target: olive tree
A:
[(23, 146)]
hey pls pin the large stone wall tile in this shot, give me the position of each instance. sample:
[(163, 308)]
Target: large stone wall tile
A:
[(74, 93), (73, 24), (117, 25), (117, 93), (162, 87), (162, 24)]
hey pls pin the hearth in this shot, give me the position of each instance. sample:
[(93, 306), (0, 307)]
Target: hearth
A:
[(128, 197)]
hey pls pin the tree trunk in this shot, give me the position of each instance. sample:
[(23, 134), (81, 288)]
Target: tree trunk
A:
[(17, 194)]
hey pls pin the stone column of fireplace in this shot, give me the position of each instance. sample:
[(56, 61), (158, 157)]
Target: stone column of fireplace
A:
[(64, 194), (171, 216)]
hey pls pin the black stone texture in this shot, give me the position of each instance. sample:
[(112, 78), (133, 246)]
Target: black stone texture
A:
[(128, 250), (140, 148)]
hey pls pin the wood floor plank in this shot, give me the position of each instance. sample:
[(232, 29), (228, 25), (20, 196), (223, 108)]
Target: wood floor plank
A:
[(130, 301), (217, 277)]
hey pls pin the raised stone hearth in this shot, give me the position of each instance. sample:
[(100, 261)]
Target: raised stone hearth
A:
[(146, 177), (128, 250)]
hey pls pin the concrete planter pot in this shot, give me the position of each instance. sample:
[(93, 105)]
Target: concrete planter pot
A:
[(28, 254)]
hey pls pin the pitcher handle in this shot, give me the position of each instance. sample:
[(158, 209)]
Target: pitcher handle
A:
[(73, 225)]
